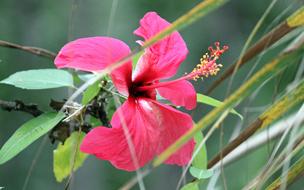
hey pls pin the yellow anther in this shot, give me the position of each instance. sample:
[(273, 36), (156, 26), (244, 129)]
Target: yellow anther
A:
[(208, 65)]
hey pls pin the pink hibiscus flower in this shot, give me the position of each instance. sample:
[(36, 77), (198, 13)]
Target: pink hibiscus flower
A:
[(149, 125)]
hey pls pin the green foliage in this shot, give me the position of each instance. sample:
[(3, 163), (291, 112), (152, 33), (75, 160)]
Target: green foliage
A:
[(199, 164), (95, 122), (68, 156), (28, 133), (200, 160), (110, 108), (40, 79), (214, 102), (191, 186), (85, 77), (200, 173), (90, 93)]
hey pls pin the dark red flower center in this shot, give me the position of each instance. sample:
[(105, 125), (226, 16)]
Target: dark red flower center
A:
[(208, 66), (135, 92)]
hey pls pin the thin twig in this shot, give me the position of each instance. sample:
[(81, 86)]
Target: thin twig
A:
[(33, 50)]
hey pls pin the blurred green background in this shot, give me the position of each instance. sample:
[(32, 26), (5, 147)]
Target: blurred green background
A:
[(52, 23)]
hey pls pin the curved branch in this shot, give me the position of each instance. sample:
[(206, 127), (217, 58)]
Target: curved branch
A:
[(33, 50)]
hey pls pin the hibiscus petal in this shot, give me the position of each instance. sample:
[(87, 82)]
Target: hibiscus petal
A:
[(151, 128), (96, 53), (174, 125), (111, 143), (162, 59), (173, 93)]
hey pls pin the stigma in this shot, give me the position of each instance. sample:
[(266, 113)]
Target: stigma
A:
[(208, 63)]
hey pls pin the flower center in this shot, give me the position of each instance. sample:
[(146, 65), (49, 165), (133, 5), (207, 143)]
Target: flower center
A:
[(135, 92), (207, 66)]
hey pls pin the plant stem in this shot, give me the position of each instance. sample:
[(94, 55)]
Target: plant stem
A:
[(33, 50), (18, 105)]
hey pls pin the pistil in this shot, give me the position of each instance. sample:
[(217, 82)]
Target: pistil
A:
[(207, 67)]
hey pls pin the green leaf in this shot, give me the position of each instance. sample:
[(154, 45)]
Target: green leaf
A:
[(77, 80), (90, 93), (200, 173), (40, 79), (110, 108), (200, 161), (86, 77), (191, 186), (64, 156), (28, 133), (214, 102), (94, 121)]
